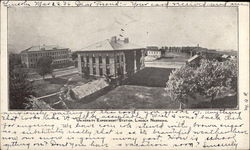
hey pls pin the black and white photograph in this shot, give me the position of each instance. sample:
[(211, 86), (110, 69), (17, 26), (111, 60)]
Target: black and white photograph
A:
[(145, 58)]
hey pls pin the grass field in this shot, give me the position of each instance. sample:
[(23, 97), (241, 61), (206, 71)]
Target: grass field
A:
[(129, 97), (140, 97), (49, 86), (152, 77)]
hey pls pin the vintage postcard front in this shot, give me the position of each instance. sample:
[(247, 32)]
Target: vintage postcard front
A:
[(124, 75)]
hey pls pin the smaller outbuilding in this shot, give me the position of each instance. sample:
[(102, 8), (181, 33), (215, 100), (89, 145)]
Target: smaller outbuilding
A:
[(89, 90), (194, 61)]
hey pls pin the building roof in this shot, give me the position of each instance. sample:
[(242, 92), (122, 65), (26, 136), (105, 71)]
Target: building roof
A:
[(89, 88), (109, 45), (193, 58), (43, 48), (225, 56), (152, 47)]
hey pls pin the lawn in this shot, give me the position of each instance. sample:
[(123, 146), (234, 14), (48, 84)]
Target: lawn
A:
[(152, 77), (45, 87), (141, 97), (49, 86), (129, 97)]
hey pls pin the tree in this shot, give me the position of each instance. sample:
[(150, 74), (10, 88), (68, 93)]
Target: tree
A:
[(44, 66), (182, 84), (210, 79), (74, 55), (20, 89), (216, 78)]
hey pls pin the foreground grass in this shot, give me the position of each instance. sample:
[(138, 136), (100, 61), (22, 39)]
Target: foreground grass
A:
[(140, 97), (152, 77), (129, 97)]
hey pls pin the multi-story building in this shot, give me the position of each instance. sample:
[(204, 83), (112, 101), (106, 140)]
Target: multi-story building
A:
[(59, 55), (153, 51), (112, 57)]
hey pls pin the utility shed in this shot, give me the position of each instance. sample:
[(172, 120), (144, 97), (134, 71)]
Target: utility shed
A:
[(88, 89), (194, 61)]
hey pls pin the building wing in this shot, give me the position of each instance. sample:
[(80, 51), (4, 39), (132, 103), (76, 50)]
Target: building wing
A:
[(43, 48)]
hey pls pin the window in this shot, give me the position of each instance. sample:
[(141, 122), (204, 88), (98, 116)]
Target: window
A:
[(86, 71), (93, 60), (118, 58), (122, 58), (100, 59), (82, 60), (87, 57), (107, 71), (118, 71), (107, 59), (101, 71), (94, 71)]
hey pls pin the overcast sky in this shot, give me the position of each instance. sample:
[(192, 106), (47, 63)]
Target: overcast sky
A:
[(78, 27)]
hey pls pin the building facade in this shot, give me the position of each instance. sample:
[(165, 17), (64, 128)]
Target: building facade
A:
[(59, 55), (153, 51), (111, 57)]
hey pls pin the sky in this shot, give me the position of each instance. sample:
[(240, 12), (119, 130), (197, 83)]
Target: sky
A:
[(78, 27)]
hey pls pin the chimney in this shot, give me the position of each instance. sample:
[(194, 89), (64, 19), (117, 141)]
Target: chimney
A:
[(126, 40), (113, 39)]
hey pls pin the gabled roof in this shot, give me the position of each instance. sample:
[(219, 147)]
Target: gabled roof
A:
[(89, 88), (108, 45), (193, 58), (43, 48), (152, 48)]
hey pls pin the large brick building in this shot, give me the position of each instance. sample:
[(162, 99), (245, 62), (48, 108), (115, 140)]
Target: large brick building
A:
[(114, 57), (30, 56)]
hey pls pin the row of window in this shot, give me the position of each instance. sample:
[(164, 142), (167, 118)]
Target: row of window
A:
[(100, 71), (47, 53), (173, 50), (60, 62), (154, 52), (54, 57), (118, 59), (32, 65), (55, 62)]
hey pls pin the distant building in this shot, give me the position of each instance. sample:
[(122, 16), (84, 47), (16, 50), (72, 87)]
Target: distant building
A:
[(153, 51), (111, 57), (30, 56)]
